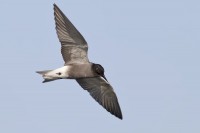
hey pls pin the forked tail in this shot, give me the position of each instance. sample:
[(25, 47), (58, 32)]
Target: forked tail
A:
[(44, 75), (43, 72)]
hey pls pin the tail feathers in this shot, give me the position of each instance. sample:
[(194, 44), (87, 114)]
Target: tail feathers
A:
[(43, 72), (46, 79)]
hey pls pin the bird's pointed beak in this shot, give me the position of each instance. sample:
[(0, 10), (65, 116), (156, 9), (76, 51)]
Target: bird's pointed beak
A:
[(105, 77)]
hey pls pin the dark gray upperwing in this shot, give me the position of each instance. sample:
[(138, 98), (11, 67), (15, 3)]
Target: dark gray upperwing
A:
[(74, 47), (103, 93)]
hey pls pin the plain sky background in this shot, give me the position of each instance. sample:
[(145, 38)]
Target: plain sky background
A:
[(150, 50)]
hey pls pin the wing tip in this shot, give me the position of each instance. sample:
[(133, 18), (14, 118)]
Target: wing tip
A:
[(55, 7), (120, 116), (54, 4)]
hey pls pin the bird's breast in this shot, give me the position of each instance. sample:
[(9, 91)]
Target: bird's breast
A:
[(80, 71)]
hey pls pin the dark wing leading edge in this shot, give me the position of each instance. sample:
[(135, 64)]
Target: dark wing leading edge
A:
[(103, 93), (74, 47)]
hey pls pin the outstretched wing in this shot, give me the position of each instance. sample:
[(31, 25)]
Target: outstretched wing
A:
[(74, 47), (103, 93)]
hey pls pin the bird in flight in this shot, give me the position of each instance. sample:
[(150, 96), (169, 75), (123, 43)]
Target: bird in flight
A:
[(90, 76)]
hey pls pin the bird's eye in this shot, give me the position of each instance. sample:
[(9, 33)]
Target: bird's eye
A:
[(59, 73)]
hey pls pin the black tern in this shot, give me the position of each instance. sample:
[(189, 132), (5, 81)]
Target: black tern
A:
[(90, 76)]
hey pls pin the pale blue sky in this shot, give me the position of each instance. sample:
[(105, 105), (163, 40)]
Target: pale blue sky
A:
[(150, 51)]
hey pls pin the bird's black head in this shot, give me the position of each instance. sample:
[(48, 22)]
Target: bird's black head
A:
[(99, 70)]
